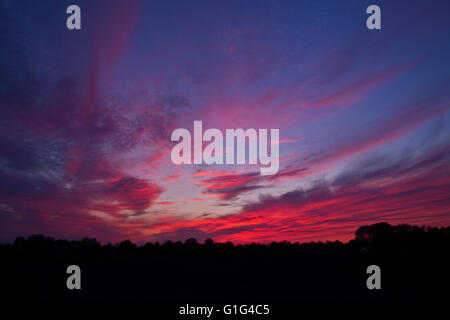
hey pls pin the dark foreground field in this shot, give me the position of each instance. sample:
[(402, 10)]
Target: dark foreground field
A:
[(414, 265)]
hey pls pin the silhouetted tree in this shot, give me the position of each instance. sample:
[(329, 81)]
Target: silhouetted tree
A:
[(373, 232), (191, 242)]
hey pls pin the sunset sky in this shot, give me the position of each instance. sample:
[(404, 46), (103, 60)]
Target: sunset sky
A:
[(86, 118)]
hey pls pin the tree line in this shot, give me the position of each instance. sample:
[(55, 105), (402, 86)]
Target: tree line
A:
[(372, 237)]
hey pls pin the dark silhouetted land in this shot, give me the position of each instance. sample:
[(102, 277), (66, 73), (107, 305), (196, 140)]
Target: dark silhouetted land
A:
[(414, 262)]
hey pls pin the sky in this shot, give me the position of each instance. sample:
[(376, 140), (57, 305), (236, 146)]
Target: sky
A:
[(87, 115)]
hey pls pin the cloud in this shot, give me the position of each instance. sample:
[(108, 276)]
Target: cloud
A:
[(229, 185), (358, 89), (86, 119), (68, 145), (406, 190)]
